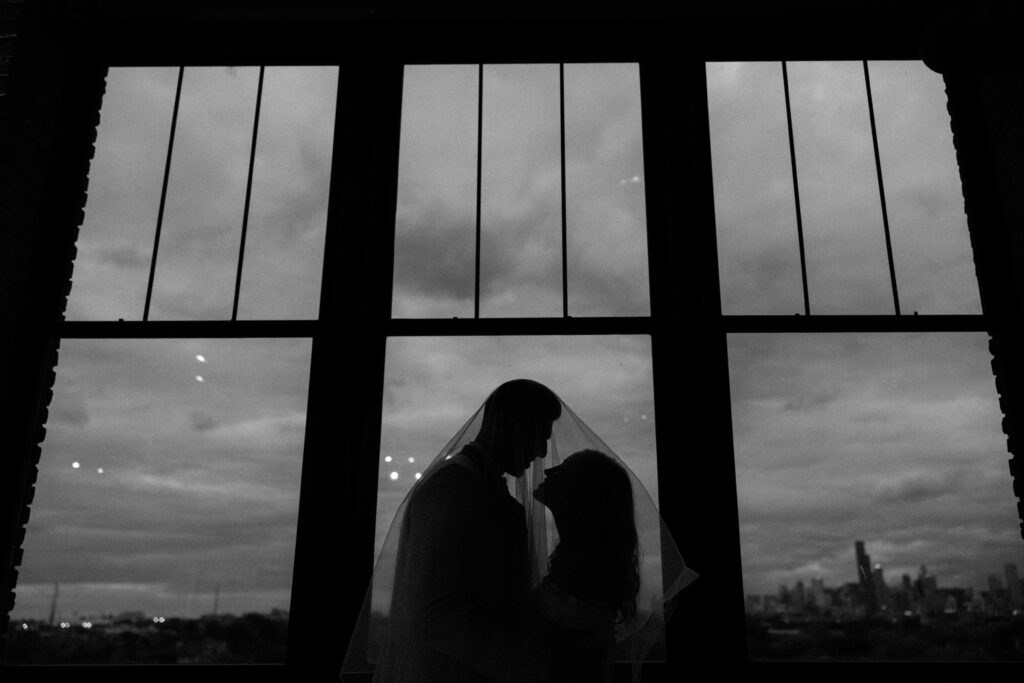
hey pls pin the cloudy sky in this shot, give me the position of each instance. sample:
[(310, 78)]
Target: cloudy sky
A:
[(893, 440)]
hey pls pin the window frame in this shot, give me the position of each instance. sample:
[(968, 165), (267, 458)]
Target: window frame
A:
[(687, 328)]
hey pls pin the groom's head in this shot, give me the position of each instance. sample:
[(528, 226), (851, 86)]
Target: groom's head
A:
[(517, 423)]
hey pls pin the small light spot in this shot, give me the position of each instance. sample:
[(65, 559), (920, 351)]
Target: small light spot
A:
[(199, 378), (394, 476), (412, 459), (417, 475), (99, 470), (387, 458), (24, 627), (643, 417), (201, 358), (76, 465), (448, 457)]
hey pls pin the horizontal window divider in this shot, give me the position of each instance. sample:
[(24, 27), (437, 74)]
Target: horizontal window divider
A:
[(456, 327), (861, 323), (453, 327), (185, 329)]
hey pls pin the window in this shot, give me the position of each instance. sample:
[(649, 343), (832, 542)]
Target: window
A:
[(875, 518), (164, 529), (358, 317)]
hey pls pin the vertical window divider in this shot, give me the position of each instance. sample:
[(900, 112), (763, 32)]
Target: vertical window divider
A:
[(881, 189), (796, 190), (163, 194), (248, 195), (479, 169), (565, 249)]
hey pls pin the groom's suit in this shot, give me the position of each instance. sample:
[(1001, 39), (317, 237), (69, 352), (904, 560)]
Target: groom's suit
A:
[(461, 580)]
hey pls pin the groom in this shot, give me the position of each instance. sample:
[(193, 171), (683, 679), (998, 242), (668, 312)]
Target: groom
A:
[(462, 573)]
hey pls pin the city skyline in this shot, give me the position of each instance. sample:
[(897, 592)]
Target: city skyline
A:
[(877, 569)]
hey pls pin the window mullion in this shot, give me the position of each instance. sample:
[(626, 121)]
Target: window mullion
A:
[(163, 193), (337, 506), (696, 469)]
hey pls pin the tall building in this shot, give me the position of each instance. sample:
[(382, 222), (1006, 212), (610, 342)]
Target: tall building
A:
[(881, 591), (867, 586), (818, 595), (1013, 586)]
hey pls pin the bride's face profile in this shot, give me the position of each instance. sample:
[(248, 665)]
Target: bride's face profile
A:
[(556, 488)]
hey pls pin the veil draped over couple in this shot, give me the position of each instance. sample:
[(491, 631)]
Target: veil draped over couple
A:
[(551, 581)]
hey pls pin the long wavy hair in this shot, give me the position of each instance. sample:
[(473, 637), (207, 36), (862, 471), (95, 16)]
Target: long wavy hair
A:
[(603, 530)]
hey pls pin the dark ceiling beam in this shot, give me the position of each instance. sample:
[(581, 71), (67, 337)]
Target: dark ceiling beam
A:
[(315, 32)]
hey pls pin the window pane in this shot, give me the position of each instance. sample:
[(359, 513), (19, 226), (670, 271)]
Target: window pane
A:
[(168, 490), (521, 214), (521, 192), (931, 245), (893, 441), (758, 251), (605, 209), (116, 240), (432, 385), (284, 247), (198, 256), (847, 265), (435, 226)]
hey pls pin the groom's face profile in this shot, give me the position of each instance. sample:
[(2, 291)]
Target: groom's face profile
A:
[(538, 449)]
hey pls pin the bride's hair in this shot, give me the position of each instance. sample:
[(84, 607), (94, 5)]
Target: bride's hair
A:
[(599, 553)]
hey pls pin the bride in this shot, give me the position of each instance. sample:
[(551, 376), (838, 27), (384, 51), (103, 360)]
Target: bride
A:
[(594, 572), (466, 586)]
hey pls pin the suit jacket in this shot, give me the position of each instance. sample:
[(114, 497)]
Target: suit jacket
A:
[(460, 581)]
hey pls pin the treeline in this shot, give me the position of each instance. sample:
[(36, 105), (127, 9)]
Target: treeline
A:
[(249, 638)]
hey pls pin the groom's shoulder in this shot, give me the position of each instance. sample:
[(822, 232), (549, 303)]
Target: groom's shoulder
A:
[(458, 472)]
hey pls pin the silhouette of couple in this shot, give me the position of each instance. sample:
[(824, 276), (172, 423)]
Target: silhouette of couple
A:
[(471, 599)]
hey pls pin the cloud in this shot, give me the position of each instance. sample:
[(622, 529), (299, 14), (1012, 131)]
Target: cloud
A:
[(125, 257), (73, 414), (202, 422), (917, 487)]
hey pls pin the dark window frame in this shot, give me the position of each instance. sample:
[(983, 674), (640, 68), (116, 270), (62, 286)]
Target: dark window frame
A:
[(686, 325)]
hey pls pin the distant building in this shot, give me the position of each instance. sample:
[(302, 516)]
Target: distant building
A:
[(879, 589), (864, 577), (998, 597), (799, 598), (818, 597), (1013, 586)]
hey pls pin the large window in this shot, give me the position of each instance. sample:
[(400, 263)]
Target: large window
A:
[(164, 528), (752, 279), (876, 520)]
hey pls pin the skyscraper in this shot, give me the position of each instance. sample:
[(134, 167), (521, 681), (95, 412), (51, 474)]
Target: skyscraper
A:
[(864, 578)]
